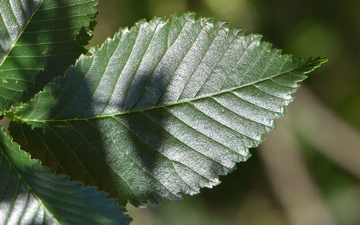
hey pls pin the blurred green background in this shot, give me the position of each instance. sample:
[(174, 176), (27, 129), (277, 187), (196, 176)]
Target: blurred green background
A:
[(308, 170)]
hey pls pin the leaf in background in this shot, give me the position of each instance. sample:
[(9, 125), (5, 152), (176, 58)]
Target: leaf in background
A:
[(162, 109), (39, 40), (32, 194)]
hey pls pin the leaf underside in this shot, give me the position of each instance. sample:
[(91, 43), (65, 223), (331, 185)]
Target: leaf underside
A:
[(33, 194), (33, 34), (162, 109)]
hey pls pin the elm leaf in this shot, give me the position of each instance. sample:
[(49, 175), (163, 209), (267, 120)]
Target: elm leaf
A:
[(38, 41), (32, 194), (162, 109)]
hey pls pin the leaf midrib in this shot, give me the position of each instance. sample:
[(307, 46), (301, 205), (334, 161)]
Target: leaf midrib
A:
[(22, 31), (161, 106), (29, 189)]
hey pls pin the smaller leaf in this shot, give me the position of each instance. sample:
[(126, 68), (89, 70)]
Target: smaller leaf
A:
[(39, 40), (32, 194)]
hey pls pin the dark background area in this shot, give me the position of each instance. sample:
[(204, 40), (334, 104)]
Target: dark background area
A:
[(307, 172)]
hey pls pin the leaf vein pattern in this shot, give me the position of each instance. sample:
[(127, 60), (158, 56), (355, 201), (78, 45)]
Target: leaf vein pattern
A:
[(15, 19), (44, 56), (65, 143), (104, 135), (271, 76), (26, 140), (44, 43), (268, 63), (133, 76), (23, 11), (182, 143), (254, 62), (221, 124), (120, 149), (21, 31), (13, 200), (258, 87), (137, 69), (38, 22), (245, 51), (115, 83), (178, 175), (196, 130), (155, 68), (66, 5), (294, 74), (8, 20), (182, 29), (52, 30), (200, 62), (180, 62), (25, 207), (147, 172), (93, 92), (43, 143), (22, 69), (4, 158), (195, 99), (237, 114), (9, 88), (281, 84), (15, 187), (257, 105), (280, 69), (214, 66), (71, 99)]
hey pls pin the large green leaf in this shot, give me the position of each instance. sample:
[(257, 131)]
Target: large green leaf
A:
[(32, 194), (39, 39), (162, 109)]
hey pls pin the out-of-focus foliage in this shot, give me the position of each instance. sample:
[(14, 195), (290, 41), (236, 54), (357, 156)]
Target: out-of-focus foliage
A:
[(330, 29)]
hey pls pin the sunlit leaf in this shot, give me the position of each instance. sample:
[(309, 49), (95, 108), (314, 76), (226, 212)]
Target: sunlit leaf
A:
[(162, 109)]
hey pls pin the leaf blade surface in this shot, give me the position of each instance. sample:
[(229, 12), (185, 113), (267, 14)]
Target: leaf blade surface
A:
[(32, 194), (164, 108), (32, 44)]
